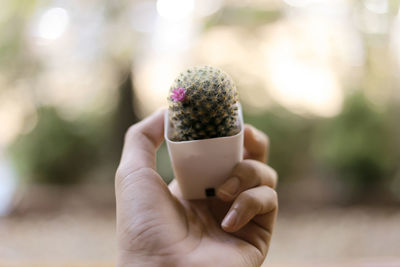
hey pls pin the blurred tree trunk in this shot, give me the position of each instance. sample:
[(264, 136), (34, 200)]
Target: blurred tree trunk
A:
[(124, 115)]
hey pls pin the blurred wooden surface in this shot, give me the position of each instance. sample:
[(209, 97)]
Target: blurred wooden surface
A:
[(76, 227)]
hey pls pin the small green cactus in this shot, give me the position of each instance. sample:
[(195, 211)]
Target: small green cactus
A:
[(203, 103)]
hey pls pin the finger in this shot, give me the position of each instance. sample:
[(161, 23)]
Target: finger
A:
[(247, 174), (137, 184), (250, 203), (256, 144), (256, 235), (136, 178), (141, 142), (174, 188)]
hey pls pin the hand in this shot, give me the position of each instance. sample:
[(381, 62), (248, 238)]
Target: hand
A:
[(157, 227)]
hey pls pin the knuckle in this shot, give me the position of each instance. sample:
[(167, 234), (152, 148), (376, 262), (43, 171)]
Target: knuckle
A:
[(264, 140), (250, 166), (274, 176), (246, 169), (269, 199), (261, 137), (248, 199), (119, 174), (131, 132), (125, 177), (274, 196)]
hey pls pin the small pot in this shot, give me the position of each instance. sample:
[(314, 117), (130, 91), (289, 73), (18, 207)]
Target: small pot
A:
[(200, 166)]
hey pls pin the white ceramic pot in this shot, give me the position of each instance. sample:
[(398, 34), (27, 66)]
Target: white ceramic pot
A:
[(200, 166)]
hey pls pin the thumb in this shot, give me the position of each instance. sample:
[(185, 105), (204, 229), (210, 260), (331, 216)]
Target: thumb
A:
[(141, 142), (136, 179), (142, 197)]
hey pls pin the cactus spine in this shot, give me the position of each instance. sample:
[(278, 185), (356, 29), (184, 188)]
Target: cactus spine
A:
[(203, 104)]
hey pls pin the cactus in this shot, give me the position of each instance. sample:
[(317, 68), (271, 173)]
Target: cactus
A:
[(203, 103)]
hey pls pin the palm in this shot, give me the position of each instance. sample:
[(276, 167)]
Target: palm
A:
[(190, 230), (205, 242)]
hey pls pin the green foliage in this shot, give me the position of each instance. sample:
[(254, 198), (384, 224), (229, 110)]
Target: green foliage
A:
[(248, 17), (16, 58), (56, 151), (290, 138), (164, 164), (356, 144)]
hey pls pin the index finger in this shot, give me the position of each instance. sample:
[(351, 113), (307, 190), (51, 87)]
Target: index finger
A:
[(256, 144)]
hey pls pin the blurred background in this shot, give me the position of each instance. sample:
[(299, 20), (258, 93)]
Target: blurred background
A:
[(320, 77)]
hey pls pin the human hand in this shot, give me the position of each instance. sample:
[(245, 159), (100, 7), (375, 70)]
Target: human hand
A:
[(157, 227)]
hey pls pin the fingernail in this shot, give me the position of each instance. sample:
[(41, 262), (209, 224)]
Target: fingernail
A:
[(230, 187), (230, 219)]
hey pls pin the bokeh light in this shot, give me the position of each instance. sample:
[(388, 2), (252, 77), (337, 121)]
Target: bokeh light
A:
[(319, 77), (377, 6), (53, 23), (175, 10)]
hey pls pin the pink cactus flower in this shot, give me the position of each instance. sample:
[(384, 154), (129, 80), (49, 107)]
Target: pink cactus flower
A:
[(178, 94)]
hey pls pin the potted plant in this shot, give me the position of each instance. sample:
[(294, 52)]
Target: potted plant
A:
[(203, 130)]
